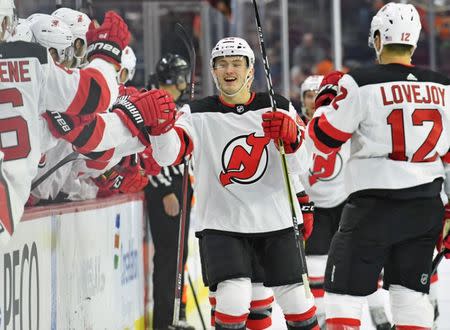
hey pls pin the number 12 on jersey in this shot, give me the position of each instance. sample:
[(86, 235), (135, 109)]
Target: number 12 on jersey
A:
[(419, 116)]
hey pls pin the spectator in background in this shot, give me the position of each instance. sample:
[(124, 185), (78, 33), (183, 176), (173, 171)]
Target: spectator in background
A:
[(296, 79), (308, 53), (323, 67)]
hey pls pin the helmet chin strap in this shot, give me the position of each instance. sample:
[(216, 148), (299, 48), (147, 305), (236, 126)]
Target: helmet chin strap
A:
[(378, 52), (249, 78)]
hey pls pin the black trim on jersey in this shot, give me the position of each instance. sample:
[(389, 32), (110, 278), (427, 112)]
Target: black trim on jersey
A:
[(200, 234), (85, 134), (94, 96), (22, 49), (382, 73), (95, 154), (324, 137), (426, 190), (261, 101)]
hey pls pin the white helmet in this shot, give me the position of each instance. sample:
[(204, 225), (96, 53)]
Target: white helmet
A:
[(397, 23), (232, 46), (34, 17), (128, 61), (23, 32), (78, 23), (312, 83), (8, 10), (51, 32)]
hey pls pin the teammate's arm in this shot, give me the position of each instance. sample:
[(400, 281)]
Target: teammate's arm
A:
[(91, 90), (171, 147), (341, 117)]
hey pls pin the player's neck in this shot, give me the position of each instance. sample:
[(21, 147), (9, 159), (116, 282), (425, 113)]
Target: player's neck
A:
[(241, 98), (398, 59), (172, 90)]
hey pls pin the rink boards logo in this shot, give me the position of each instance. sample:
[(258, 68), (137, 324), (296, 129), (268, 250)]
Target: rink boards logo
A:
[(244, 160), (20, 289)]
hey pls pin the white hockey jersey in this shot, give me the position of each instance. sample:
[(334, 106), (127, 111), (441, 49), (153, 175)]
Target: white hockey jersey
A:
[(324, 178), (239, 182), (398, 120), (31, 83)]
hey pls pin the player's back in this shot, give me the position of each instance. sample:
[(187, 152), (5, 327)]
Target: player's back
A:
[(403, 124), (21, 93)]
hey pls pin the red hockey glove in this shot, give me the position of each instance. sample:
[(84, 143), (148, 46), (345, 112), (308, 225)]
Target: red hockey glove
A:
[(148, 163), (133, 176), (444, 237), (106, 183), (127, 90), (153, 109), (126, 177), (108, 40), (279, 125), (65, 126), (307, 208), (328, 88)]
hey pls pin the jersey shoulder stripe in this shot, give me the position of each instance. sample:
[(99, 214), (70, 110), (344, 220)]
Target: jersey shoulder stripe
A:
[(259, 101), (382, 73), (22, 49)]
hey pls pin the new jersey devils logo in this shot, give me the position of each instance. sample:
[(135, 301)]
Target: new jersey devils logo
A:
[(244, 159), (325, 169)]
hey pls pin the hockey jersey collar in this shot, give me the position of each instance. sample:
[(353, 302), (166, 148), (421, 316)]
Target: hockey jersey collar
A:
[(239, 108)]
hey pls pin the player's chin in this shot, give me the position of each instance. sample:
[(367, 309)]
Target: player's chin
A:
[(230, 88)]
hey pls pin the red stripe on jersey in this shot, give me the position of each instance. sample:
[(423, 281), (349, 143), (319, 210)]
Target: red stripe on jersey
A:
[(332, 131), (261, 303), (446, 158), (212, 301), (302, 316), (93, 94), (410, 327), (101, 162), (231, 105), (186, 145), (344, 321), (95, 137), (317, 142), (230, 319)]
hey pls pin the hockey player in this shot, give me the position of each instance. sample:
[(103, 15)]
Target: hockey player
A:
[(308, 92), (78, 23), (324, 183), (55, 35), (396, 118), (30, 75), (241, 199)]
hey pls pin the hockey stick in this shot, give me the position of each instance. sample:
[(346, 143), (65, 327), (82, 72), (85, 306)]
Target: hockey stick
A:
[(197, 304), (69, 158), (298, 237), (442, 253), (437, 260), (182, 34)]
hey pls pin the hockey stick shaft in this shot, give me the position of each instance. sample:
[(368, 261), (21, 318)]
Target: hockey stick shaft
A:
[(181, 32), (437, 260), (70, 157), (197, 304), (298, 237), (443, 252)]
